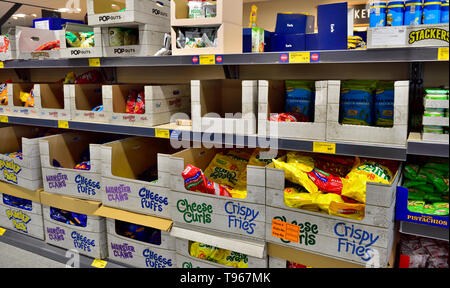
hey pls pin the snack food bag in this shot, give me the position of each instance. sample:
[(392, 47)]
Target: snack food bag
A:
[(297, 173), (347, 210), (195, 180), (288, 117), (357, 102), (296, 199), (384, 104), (300, 96), (218, 255), (225, 170)]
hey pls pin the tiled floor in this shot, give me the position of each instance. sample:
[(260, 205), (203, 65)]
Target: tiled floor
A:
[(12, 257)]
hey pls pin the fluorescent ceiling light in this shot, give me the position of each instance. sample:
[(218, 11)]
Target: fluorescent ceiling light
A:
[(20, 15)]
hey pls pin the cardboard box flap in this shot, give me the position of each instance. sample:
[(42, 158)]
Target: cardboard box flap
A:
[(86, 207), (135, 218), (245, 247), (306, 258), (20, 192)]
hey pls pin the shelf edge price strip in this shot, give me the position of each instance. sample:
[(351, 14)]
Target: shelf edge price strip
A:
[(2, 65), (207, 59), (328, 148), (300, 57), (162, 133), (2, 231), (4, 119), (285, 231), (97, 263)]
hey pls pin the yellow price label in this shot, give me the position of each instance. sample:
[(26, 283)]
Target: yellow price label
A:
[(4, 119), (328, 148), (2, 65), (94, 62), (99, 263), (2, 231), (300, 57), (162, 133), (63, 124), (207, 59), (443, 54)]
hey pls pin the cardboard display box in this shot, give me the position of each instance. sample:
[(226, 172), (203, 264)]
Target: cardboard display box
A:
[(397, 135), (90, 240), (123, 162), (229, 41), (221, 97), (51, 101), (332, 236), (10, 53), (427, 35), (75, 52), (27, 172), (218, 214), (272, 96), (227, 11), (67, 149), (437, 121), (161, 102), (102, 12), (83, 99), (30, 39), (160, 254), (151, 40), (27, 220)]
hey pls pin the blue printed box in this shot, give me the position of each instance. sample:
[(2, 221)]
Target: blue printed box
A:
[(403, 214), (155, 249), (21, 215), (242, 218), (135, 173), (60, 154)]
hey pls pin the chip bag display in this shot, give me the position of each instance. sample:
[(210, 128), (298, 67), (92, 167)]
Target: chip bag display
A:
[(295, 199), (218, 255), (195, 180), (225, 170), (297, 173)]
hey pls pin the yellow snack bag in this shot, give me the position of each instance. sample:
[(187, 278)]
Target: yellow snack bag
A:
[(255, 159), (225, 170), (239, 192), (347, 210), (206, 252), (234, 259), (373, 172), (295, 199), (296, 173), (324, 200), (305, 162), (354, 187)]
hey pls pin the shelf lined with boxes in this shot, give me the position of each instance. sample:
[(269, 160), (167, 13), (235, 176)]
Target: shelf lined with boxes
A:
[(206, 27), (81, 41)]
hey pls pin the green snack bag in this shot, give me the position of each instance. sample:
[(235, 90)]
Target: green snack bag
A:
[(439, 205), (416, 209), (438, 166), (429, 209), (411, 171), (437, 180), (432, 198), (441, 212), (426, 188), (417, 196), (72, 40), (412, 183)]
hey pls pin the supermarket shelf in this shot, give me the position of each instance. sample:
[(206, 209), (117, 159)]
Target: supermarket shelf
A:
[(418, 147), (343, 148), (424, 230), (43, 249), (423, 54)]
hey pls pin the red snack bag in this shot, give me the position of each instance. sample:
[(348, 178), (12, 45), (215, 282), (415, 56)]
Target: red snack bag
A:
[(90, 77), (294, 265), (5, 46), (289, 117), (326, 182), (131, 102), (195, 180), (53, 45), (139, 107)]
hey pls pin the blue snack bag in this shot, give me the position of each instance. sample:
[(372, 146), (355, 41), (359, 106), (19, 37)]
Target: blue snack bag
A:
[(300, 96), (413, 12), (17, 202), (431, 12), (67, 217), (384, 104), (395, 13), (378, 11), (357, 102)]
